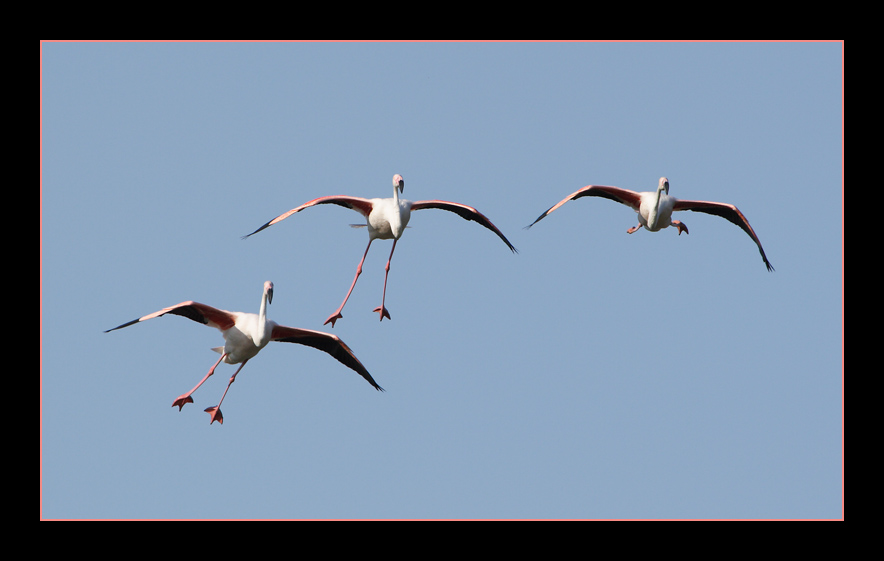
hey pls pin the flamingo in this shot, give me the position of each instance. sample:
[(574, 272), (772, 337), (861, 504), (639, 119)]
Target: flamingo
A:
[(245, 335), (386, 219), (655, 209)]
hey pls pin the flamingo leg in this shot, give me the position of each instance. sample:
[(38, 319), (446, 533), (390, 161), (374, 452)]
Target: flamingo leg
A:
[(181, 400), (215, 412), (634, 229), (681, 227), (381, 309), (337, 314)]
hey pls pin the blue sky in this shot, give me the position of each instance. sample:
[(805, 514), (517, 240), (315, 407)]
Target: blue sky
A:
[(593, 375)]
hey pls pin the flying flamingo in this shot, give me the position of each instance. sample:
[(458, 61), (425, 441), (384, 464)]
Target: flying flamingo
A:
[(246, 334), (386, 219), (655, 209)]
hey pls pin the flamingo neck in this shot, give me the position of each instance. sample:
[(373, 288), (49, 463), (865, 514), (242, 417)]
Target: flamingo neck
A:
[(652, 216), (263, 331), (262, 312)]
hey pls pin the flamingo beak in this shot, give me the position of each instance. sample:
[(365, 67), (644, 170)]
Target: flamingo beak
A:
[(270, 295), (399, 182)]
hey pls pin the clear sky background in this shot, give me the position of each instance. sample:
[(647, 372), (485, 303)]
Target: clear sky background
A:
[(593, 375)]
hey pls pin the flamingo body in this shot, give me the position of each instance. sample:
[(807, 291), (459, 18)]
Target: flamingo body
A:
[(655, 209), (386, 219), (245, 334)]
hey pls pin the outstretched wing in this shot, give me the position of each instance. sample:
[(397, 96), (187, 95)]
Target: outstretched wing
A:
[(623, 196), (200, 313), (360, 205), (324, 342), (730, 213), (465, 212)]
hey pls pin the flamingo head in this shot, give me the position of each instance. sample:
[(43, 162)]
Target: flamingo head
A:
[(663, 185), (268, 290), (399, 182)]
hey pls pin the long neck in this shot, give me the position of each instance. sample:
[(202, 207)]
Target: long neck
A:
[(652, 216), (263, 329), (262, 312)]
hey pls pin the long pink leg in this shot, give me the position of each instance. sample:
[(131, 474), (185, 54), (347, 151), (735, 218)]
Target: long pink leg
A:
[(381, 309), (337, 314), (634, 228), (215, 412), (185, 398)]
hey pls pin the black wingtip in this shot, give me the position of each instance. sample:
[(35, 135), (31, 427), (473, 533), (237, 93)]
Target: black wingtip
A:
[(539, 218), (508, 244), (770, 268), (256, 231), (127, 324)]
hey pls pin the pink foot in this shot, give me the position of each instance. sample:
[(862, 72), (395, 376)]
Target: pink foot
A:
[(333, 318), (634, 229), (216, 415), (383, 312), (182, 399)]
